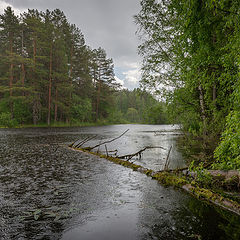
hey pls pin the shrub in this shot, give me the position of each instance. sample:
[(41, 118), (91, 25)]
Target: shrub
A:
[(227, 153), (7, 121)]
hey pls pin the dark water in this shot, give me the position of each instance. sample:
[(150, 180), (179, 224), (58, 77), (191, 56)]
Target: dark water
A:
[(48, 191)]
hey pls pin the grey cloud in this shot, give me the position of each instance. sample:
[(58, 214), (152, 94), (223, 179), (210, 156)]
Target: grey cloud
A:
[(104, 23)]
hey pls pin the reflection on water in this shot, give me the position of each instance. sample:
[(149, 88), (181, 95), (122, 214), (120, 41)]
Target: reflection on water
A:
[(48, 191)]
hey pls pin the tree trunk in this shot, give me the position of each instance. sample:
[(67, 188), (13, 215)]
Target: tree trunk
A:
[(71, 68), (71, 82), (23, 78), (34, 51), (23, 69), (203, 110), (50, 87), (36, 100), (98, 99), (11, 65), (11, 73), (56, 105)]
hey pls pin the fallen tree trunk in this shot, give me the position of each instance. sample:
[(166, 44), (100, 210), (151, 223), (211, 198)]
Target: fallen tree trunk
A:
[(170, 177), (130, 156)]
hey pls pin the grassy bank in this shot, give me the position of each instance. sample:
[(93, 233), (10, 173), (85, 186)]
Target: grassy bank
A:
[(62, 124)]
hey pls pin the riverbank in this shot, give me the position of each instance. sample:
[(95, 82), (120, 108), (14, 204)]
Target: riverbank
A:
[(63, 124), (178, 179)]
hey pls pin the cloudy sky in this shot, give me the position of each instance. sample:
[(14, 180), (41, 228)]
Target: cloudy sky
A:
[(104, 23)]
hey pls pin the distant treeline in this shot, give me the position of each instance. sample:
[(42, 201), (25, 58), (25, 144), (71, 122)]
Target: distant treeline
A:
[(139, 106), (48, 74)]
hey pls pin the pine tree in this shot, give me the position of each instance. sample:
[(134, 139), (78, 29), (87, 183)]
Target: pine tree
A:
[(104, 81), (48, 72), (9, 46), (36, 74)]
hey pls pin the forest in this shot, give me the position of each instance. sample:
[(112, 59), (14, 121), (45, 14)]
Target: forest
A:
[(50, 76), (191, 55), (191, 59)]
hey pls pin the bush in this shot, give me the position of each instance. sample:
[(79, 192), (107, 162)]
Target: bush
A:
[(228, 151), (7, 121), (81, 109), (116, 117), (132, 115)]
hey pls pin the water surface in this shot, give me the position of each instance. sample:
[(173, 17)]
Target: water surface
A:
[(48, 191)]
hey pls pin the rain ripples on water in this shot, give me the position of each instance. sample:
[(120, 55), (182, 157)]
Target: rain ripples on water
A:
[(48, 191)]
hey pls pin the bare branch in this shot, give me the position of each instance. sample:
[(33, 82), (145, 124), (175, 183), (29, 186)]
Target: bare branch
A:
[(130, 156), (98, 145), (167, 160), (85, 140), (106, 149)]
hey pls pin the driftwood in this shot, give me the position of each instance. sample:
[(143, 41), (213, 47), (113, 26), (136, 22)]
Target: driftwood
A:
[(85, 140), (112, 151), (167, 160), (98, 145), (72, 144), (127, 157), (82, 142), (106, 149), (130, 156)]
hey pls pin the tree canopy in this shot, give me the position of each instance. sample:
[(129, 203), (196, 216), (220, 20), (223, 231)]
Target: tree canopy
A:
[(48, 73), (191, 55)]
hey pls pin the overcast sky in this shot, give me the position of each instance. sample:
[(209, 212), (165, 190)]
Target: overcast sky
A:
[(105, 23)]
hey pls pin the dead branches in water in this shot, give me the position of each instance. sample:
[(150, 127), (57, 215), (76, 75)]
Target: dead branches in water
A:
[(82, 142), (139, 153), (167, 160), (114, 153), (98, 145)]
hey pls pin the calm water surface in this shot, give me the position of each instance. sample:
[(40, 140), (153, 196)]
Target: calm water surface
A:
[(48, 191)]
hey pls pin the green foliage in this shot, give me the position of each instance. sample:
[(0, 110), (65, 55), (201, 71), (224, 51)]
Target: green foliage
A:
[(132, 115), (203, 177), (21, 111), (116, 117), (155, 114), (48, 73), (7, 121), (191, 56), (104, 83), (228, 152), (81, 109), (139, 106)]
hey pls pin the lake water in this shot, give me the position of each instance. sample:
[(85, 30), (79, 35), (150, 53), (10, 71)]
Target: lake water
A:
[(48, 191)]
